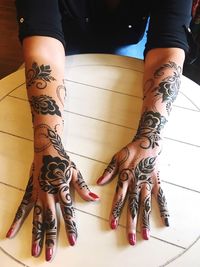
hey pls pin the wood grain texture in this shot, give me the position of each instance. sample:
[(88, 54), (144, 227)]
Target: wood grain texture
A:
[(10, 48)]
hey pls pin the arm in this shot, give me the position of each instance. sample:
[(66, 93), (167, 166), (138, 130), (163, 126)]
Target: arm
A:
[(137, 163), (52, 171)]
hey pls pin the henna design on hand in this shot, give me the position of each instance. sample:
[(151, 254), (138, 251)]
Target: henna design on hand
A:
[(38, 226), (163, 206), (143, 176), (57, 143), (26, 201), (55, 173), (150, 126), (81, 182), (39, 76), (68, 214), (146, 212), (51, 229), (44, 105), (134, 203), (117, 208)]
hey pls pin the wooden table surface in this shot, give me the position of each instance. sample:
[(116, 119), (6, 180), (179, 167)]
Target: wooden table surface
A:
[(104, 98)]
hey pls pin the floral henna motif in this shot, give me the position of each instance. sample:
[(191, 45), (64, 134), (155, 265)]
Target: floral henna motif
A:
[(168, 88), (55, 173), (44, 105), (39, 76), (150, 126)]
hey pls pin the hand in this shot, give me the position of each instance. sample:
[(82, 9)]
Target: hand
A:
[(50, 180), (138, 178)]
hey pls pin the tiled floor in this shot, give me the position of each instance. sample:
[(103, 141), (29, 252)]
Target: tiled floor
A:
[(101, 115)]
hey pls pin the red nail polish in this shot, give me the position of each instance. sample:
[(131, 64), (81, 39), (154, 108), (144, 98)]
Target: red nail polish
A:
[(10, 232), (72, 240), (93, 195), (100, 180), (35, 250), (49, 253), (145, 234), (132, 239), (113, 224)]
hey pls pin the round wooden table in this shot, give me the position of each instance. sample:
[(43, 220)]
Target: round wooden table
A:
[(104, 98)]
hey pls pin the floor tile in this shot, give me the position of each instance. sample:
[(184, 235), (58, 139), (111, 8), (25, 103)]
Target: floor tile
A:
[(190, 257)]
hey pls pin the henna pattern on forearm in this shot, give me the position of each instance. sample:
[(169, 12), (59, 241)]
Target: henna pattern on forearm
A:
[(39, 76), (168, 88), (44, 105), (150, 126), (57, 143)]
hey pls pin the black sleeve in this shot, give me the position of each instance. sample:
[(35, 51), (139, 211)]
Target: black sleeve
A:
[(168, 20)]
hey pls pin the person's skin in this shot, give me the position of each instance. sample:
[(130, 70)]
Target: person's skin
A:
[(52, 172), (137, 164)]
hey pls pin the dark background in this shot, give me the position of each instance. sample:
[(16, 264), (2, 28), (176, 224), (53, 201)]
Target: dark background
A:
[(11, 51)]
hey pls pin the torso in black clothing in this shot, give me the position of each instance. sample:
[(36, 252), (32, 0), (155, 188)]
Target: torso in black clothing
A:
[(119, 20)]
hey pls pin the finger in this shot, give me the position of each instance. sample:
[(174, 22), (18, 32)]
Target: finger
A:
[(68, 216), (110, 171), (162, 203), (51, 232), (119, 198), (82, 188), (23, 210), (146, 210), (132, 214), (38, 229)]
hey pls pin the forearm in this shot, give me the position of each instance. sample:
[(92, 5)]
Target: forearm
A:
[(44, 64), (162, 78)]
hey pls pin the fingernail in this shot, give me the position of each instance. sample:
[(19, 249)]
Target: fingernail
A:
[(93, 195), (100, 180), (166, 221), (145, 234), (10, 232), (35, 250), (49, 253), (72, 240), (132, 239), (113, 224)]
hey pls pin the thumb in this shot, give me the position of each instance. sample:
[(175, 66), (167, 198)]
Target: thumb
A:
[(109, 173)]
